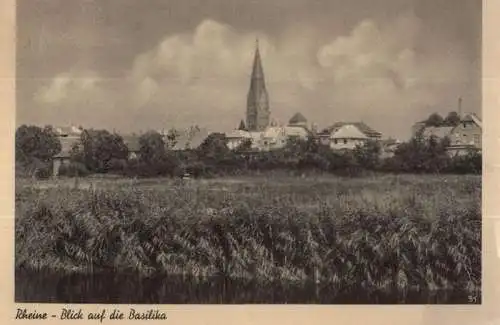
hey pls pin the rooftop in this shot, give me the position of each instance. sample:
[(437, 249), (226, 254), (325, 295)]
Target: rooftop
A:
[(297, 119), (368, 131)]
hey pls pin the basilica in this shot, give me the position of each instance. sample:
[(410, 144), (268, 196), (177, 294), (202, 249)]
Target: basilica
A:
[(264, 133)]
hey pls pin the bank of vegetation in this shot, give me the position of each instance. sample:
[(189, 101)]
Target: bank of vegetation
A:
[(384, 233), (102, 152)]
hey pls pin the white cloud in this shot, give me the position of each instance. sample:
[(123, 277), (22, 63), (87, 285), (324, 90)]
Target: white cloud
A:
[(202, 77), (67, 85), (370, 52), (78, 97)]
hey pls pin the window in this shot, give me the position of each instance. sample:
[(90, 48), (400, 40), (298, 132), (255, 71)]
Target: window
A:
[(477, 138), (345, 141), (335, 141)]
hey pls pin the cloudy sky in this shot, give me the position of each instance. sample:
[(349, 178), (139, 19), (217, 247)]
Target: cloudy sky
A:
[(133, 65)]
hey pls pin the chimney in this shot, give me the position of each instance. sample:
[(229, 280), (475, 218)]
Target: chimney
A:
[(460, 114)]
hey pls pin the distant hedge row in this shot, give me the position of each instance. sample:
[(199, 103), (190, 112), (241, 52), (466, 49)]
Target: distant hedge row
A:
[(213, 160), (100, 152)]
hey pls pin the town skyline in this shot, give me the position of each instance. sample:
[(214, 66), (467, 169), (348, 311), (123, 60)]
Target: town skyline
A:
[(384, 69)]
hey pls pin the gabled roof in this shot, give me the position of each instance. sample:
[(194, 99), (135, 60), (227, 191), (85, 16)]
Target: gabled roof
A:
[(297, 118), (361, 126), (471, 117), (348, 131)]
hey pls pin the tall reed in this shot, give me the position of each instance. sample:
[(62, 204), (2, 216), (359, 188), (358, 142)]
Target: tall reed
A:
[(381, 233)]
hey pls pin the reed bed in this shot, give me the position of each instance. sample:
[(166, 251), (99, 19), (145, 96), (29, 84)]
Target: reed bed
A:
[(382, 233)]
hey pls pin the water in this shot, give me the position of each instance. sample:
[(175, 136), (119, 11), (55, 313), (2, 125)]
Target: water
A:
[(32, 287)]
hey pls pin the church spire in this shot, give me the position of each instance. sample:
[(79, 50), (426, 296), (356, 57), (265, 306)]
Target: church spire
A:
[(257, 100), (257, 71)]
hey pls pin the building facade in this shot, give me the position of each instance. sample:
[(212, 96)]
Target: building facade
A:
[(347, 135), (465, 137), (68, 137)]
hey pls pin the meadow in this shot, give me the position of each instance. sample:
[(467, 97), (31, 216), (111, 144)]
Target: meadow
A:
[(389, 233)]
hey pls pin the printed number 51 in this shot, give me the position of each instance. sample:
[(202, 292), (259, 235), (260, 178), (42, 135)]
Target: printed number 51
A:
[(472, 299)]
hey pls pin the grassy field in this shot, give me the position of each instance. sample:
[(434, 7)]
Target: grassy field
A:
[(381, 233)]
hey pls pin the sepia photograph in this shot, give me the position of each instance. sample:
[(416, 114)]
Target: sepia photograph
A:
[(248, 152)]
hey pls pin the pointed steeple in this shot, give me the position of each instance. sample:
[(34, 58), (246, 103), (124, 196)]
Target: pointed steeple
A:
[(257, 100), (257, 71)]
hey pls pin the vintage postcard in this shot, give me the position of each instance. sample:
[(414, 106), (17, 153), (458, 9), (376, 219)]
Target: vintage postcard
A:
[(238, 152)]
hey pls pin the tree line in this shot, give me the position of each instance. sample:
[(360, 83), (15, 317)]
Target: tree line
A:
[(436, 120), (103, 152)]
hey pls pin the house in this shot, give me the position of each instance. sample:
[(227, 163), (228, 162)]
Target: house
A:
[(389, 147), (68, 136), (273, 137), (190, 138), (439, 132), (348, 135), (277, 137), (64, 156), (133, 145), (235, 138), (418, 127), (464, 137)]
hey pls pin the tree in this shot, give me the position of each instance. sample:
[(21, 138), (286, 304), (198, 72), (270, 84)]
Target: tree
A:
[(436, 158), (435, 120), (452, 119), (172, 138), (216, 156), (98, 150), (368, 155), (151, 147), (408, 157), (36, 144), (154, 159), (214, 147), (421, 155)]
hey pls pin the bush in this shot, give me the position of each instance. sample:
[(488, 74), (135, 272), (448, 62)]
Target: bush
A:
[(198, 169), (34, 168), (44, 172), (73, 169), (117, 165), (470, 163)]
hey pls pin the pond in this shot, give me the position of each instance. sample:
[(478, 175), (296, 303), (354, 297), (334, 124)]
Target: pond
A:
[(36, 287)]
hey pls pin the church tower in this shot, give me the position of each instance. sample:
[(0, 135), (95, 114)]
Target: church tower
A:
[(257, 100)]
